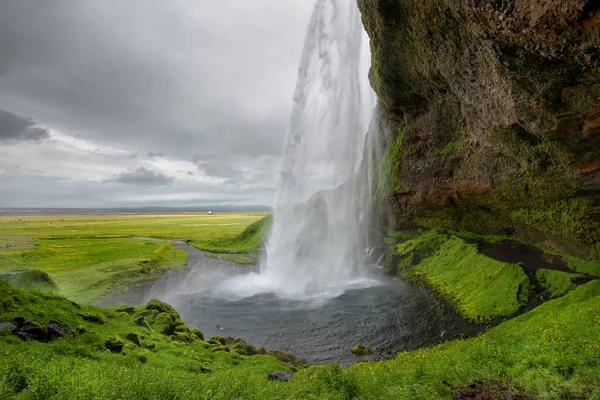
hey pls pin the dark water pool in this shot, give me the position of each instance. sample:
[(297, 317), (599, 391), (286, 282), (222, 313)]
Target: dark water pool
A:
[(391, 316)]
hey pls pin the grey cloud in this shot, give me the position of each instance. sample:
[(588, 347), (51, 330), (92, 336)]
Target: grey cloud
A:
[(177, 78), (15, 127), (143, 176)]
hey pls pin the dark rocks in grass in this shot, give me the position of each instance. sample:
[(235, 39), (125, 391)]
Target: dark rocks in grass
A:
[(32, 330), (282, 376), (140, 321), (58, 329), (218, 339), (9, 327), (244, 348), (22, 320), (289, 359), (114, 345), (488, 390), (362, 350), (93, 318), (133, 338)]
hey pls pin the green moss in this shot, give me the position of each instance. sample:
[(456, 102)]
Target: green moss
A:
[(385, 173), (451, 147), (426, 244), (240, 260), (588, 267), (479, 287), (249, 241), (33, 279), (362, 350), (197, 332), (558, 283), (571, 218)]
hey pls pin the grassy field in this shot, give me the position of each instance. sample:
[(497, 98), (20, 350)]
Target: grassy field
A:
[(88, 255), (552, 352)]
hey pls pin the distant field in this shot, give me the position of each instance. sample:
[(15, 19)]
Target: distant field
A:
[(88, 255)]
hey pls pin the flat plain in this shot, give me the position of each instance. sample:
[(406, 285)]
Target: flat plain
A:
[(84, 256)]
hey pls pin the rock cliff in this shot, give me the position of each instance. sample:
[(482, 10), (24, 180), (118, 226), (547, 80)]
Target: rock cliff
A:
[(495, 113)]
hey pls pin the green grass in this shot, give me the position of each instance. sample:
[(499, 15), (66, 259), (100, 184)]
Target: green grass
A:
[(165, 226), (558, 283), (479, 287), (551, 352), (242, 260), (451, 147), (33, 279), (87, 256), (248, 241), (85, 269)]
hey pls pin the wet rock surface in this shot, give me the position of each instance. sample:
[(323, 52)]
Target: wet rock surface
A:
[(283, 376), (57, 329), (494, 109)]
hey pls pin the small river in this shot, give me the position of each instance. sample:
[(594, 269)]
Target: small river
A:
[(390, 316)]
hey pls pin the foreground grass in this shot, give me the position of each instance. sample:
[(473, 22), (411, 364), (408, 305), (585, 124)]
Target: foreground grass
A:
[(551, 352)]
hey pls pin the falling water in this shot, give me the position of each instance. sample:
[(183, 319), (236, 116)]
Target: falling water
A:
[(321, 207)]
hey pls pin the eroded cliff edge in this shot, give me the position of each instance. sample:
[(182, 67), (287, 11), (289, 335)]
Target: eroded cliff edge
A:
[(495, 113)]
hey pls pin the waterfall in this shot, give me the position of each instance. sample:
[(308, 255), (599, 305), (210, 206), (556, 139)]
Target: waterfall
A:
[(322, 204)]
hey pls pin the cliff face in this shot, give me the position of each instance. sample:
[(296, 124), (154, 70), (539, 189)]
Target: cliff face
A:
[(495, 108)]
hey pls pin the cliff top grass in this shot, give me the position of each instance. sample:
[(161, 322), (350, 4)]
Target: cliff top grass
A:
[(550, 352)]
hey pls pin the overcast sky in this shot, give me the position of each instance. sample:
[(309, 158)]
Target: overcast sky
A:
[(145, 102)]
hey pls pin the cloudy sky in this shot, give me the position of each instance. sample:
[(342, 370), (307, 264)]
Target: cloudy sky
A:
[(145, 102)]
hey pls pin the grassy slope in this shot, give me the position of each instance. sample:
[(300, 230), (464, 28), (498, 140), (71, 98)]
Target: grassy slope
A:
[(84, 269), (248, 241), (481, 288), (550, 352), (82, 368)]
